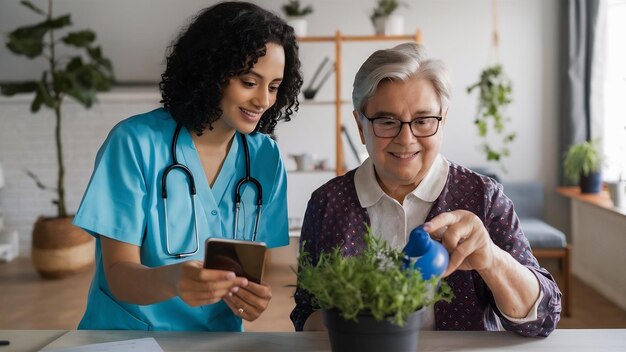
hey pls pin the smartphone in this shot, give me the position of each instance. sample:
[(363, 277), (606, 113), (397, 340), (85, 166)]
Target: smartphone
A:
[(244, 258)]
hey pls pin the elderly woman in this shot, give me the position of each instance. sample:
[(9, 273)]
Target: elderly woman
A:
[(400, 106)]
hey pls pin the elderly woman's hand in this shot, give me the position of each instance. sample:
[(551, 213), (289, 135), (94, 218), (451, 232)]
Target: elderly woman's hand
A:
[(466, 239)]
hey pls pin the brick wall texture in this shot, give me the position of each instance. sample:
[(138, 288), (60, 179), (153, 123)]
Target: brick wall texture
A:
[(27, 143)]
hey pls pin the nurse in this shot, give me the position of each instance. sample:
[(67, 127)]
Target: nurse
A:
[(232, 73)]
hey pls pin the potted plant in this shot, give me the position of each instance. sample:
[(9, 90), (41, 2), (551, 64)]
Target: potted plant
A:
[(59, 248), (295, 16), (385, 20), (370, 302), (495, 94), (582, 165)]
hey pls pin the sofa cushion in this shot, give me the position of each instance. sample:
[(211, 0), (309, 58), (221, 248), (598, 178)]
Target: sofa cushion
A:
[(527, 198), (542, 235)]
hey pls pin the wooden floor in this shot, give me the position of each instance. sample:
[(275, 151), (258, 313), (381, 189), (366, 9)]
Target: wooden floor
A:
[(28, 302)]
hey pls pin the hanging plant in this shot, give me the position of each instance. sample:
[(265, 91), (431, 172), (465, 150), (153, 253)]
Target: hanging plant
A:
[(495, 93)]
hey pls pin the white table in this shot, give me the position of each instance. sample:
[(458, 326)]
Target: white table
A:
[(566, 340)]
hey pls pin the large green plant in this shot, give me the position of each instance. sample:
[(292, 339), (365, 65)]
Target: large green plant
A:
[(495, 94), (373, 281), (582, 159), (79, 76)]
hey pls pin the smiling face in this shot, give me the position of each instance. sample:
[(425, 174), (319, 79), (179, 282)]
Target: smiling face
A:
[(401, 162), (246, 97)]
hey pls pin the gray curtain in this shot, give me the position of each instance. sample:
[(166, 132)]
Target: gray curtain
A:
[(579, 27)]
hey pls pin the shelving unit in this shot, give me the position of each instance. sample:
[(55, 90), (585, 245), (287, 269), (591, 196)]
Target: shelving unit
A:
[(339, 39)]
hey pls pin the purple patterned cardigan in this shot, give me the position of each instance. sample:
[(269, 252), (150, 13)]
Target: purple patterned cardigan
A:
[(334, 217)]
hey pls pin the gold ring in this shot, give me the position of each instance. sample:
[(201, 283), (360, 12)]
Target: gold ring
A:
[(240, 310)]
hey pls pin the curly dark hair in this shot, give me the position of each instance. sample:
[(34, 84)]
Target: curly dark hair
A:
[(224, 41)]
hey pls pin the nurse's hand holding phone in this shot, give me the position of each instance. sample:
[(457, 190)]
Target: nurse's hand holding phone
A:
[(198, 286), (245, 259)]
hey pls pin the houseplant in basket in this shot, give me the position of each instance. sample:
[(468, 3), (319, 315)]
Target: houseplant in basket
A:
[(369, 301), (582, 164), (59, 248), (296, 16)]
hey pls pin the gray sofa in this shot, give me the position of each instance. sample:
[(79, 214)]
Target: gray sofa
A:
[(545, 240)]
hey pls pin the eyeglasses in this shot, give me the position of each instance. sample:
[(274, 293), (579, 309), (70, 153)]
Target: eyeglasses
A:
[(388, 127)]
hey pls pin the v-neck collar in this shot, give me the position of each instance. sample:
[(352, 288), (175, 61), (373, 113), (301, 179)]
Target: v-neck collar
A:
[(209, 197)]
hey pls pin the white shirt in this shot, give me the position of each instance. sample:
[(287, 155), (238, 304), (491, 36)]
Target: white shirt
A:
[(394, 221)]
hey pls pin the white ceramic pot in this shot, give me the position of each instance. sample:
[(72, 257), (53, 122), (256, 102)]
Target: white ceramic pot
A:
[(299, 25), (617, 191), (389, 25), (304, 162)]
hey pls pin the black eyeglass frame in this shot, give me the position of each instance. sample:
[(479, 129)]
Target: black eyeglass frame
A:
[(372, 119)]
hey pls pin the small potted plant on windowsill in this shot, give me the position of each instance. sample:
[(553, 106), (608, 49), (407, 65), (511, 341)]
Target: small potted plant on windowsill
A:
[(369, 301), (385, 19), (582, 164), (296, 16)]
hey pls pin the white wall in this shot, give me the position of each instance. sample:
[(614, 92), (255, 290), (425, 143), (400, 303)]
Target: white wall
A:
[(134, 34)]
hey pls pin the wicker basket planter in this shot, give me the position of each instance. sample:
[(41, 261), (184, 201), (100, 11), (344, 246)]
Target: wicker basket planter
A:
[(61, 249)]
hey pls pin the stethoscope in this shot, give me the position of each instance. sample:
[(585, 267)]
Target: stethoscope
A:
[(192, 191)]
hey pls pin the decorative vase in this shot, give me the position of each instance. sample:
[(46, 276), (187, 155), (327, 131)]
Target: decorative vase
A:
[(591, 183), (389, 25), (60, 249), (299, 25), (304, 162), (368, 334), (617, 192)]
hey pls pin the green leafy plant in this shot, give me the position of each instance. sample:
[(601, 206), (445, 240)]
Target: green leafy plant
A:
[(495, 93), (582, 158), (384, 8), (373, 282), (79, 76), (292, 8)]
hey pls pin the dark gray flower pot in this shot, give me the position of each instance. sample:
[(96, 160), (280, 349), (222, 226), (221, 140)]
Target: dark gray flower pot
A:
[(370, 335), (591, 183)]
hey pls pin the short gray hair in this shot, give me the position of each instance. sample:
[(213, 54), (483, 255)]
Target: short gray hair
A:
[(400, 63)]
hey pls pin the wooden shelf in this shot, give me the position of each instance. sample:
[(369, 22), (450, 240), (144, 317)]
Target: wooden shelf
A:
[(323, 102), (339, 39), (361, 38)]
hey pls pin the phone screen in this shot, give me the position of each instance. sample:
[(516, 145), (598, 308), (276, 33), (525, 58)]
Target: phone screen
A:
[(244, 258)]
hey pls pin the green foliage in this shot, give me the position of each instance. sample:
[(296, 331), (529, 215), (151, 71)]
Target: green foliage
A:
[(384, 8), (495, 93), (582, 158), (293, 9), (373, 281), (79, 76)]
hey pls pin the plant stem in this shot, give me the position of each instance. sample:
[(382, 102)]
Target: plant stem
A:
[(61, 211)]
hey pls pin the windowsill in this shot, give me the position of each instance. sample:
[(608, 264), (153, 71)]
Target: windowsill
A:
[(601, 200)]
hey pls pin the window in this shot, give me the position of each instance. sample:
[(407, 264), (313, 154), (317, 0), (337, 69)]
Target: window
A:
[(614, 136)]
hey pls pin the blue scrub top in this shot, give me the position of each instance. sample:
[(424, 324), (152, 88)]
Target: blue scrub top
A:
[(123, 201)]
